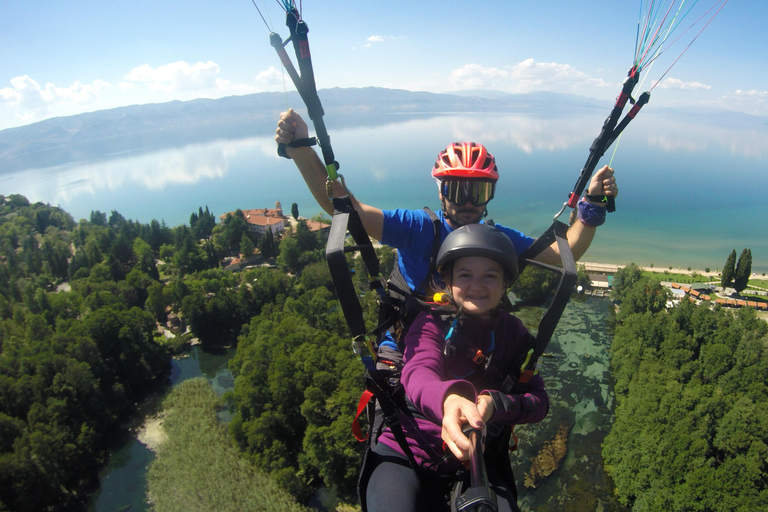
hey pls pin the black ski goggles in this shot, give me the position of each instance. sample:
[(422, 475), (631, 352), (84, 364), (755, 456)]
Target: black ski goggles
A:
[(478, 192)]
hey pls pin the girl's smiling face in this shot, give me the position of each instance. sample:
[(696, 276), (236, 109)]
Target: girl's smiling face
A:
[(477, 284)]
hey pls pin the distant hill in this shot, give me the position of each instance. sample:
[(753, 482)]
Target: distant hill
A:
[(141, 127)]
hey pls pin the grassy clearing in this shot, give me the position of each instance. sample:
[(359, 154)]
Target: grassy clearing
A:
[(198, 468)]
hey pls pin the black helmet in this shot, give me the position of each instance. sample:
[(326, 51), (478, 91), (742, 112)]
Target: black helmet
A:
[(479, 240)]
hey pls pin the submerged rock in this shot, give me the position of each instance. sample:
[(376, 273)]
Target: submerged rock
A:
[(548, 459)]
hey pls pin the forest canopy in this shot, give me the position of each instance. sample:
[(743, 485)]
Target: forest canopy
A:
[(82, 305), (692, 404)]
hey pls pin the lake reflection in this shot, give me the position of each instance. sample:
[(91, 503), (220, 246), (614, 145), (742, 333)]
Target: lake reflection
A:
[(692, 189)]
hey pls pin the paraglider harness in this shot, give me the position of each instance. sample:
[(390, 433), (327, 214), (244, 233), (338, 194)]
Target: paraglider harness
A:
[(384, 398), (398, 306)]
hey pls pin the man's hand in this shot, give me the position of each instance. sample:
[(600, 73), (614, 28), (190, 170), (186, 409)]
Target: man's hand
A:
[(603, 183), (290, 127)]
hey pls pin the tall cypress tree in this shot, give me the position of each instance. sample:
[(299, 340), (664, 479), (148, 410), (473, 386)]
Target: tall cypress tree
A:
[(728, 270), (743, 270)]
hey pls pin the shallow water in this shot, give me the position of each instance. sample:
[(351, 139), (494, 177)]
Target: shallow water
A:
[(577, 376)]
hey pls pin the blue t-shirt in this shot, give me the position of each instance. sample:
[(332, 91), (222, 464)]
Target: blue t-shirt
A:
[(411, 233)]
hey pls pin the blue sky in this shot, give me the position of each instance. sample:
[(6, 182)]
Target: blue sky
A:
[(63, 58)]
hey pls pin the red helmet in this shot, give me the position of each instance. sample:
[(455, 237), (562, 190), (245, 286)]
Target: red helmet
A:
[(465, 160)]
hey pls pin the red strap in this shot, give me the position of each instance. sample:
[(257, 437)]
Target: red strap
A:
[(513, 446), (526, 375), (361, 405)]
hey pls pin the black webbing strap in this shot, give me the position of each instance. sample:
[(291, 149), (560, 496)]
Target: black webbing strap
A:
[(609, 132), (305, 83), (387, 397), (568, 276), (346, 219)]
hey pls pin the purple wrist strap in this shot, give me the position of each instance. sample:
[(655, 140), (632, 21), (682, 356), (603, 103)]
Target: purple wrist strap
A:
[(590, 214)]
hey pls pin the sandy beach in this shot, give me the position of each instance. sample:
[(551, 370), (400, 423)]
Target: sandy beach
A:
[(610, 267)]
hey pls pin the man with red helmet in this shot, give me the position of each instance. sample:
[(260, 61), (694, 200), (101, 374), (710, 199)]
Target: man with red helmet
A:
[(466, 174)]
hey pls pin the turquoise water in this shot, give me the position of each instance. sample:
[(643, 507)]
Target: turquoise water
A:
[(577, 377), (691, 189)]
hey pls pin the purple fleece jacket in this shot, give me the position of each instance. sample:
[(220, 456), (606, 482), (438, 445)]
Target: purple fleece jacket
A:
[(429, 378)]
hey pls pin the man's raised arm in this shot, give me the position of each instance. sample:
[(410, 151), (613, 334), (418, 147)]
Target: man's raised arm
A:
[(582, 231), (292, 127)]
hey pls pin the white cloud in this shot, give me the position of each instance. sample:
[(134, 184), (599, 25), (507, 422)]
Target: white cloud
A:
[(526, 76), (375, 39), (26, 100), (272, 79), (674, 83), (759, 95), (31, 101), (177, 76), (82, 94)]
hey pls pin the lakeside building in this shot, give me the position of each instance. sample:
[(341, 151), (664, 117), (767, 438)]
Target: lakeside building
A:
[(601, 281), (261, 220)]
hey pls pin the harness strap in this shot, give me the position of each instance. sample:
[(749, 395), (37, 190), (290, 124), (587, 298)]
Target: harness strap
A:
[(568, 276), (305, 83), (376, 381), (362, 405), (346, 219)]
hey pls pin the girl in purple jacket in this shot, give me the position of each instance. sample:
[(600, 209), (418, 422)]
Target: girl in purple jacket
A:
[(457, 372)]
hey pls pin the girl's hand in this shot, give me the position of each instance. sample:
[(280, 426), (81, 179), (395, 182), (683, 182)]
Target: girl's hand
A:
[(458, 412)]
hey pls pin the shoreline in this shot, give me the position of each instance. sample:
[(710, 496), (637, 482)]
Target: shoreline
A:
[(614, 267), (591, 266)]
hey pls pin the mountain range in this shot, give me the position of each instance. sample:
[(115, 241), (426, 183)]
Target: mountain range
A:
[(137, 128)]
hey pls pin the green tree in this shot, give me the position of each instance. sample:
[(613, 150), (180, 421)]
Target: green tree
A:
[(295, 211), (535, 284), (157, 302), (145, 258), (743, 270), (98, 218), (624, 279), (295, 390), (306, 239), (728, 270), (290, 254), (691, 415), (267, 246), (56, 252), (246, 246), (202, 223), (232, 229)]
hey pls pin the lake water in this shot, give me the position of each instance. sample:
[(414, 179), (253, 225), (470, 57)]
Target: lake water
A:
[(691, 188)]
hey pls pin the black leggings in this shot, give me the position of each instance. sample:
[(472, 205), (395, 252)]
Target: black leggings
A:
[(394, 486)]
